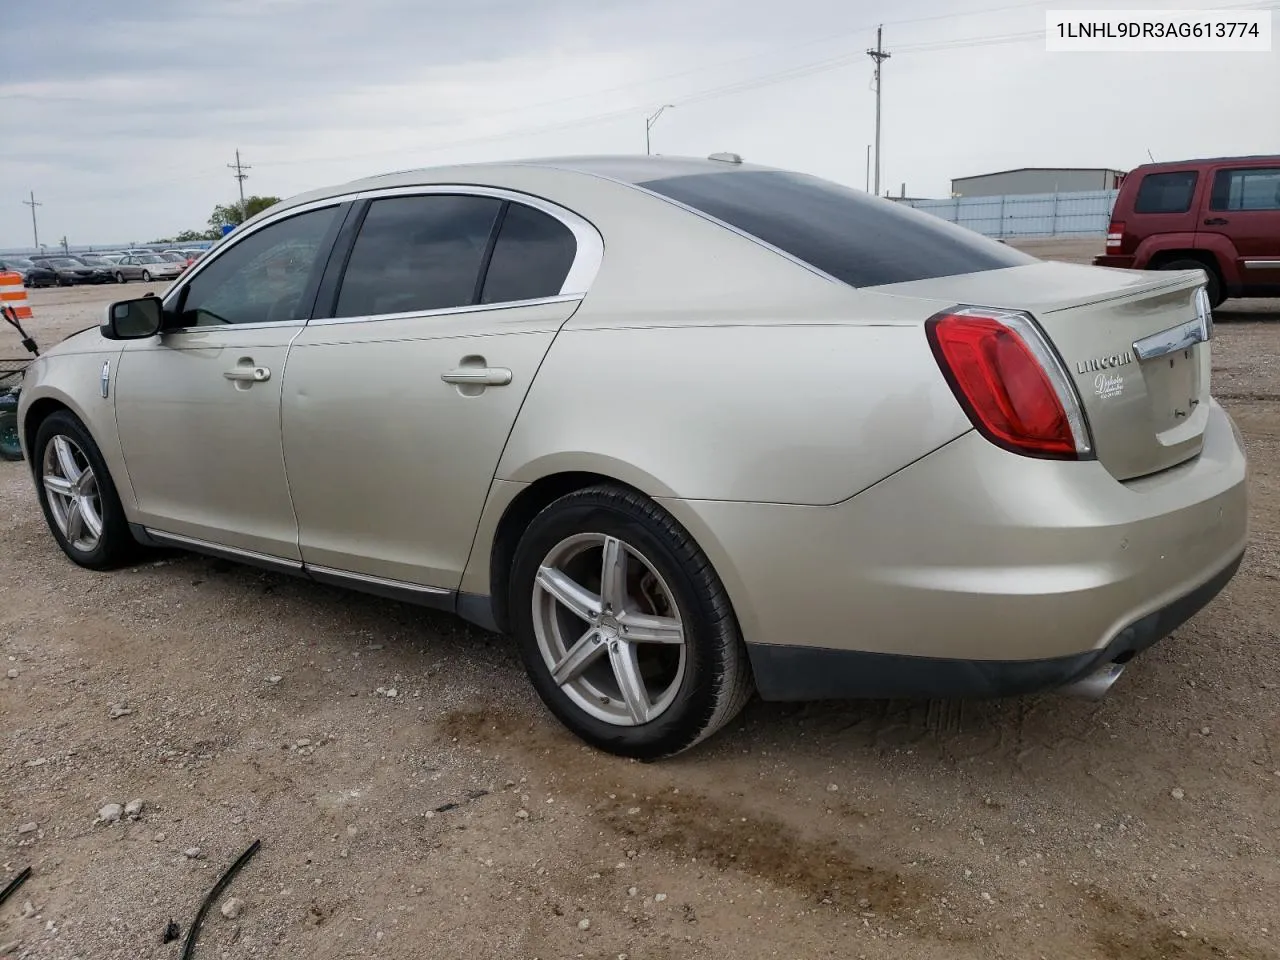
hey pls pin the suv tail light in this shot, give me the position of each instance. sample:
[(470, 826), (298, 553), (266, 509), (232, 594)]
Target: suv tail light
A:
[(1115, 236), (1010, 382)]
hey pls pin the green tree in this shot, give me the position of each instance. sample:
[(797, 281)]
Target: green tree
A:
[(231, 213)]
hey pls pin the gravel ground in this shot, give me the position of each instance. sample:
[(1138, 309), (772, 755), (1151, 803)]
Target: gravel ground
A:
[(414, 800)]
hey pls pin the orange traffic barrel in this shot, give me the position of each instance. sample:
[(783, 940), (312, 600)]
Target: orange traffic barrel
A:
[(14, 295)]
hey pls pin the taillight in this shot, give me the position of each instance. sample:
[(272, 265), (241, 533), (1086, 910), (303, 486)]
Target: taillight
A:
[(1010, 382), (1115, 235)]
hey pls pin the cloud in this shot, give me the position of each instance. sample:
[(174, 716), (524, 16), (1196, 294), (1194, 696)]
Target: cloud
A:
[(123, 118)]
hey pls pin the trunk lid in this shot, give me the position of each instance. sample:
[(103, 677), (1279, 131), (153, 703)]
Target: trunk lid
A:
[(1129, 341)]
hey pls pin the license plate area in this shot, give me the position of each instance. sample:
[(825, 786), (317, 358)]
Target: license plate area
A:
[(1174, 388)]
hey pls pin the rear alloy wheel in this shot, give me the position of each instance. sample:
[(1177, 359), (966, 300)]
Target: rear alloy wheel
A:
[(624, 629), (1213, 288), (77, 496)]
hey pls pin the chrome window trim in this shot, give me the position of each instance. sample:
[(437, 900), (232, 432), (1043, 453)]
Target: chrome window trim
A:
[(590, 244), (445, 312), (210, 328), (587, 259)]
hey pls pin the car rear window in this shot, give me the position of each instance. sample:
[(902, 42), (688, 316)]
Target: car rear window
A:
[(859, 239), (1166, 192)]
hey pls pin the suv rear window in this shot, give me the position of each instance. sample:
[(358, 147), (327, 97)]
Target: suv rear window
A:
[(1166, 192), (859, 239), (1257, 189)]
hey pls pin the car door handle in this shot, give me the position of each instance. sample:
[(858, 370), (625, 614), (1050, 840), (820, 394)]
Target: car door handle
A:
[(249, 374), (1216, 222), (478, 376)]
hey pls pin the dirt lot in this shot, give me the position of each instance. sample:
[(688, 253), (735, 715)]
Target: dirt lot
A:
[(414, 800)]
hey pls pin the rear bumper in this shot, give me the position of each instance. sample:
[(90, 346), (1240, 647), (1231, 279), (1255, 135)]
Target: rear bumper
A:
[(814, 673), (976, 570), (1114, 260)]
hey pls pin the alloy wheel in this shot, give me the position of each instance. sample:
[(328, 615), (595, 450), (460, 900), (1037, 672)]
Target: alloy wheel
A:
[(72, 490), (608, 629)]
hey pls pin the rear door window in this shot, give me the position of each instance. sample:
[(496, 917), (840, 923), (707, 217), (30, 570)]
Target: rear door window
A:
[(531, 257), (859, 239), (1254, 189), (418, 253), (1166, 192)]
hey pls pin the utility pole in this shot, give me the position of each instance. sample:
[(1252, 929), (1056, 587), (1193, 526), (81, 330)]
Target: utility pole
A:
[(35, 232), (240, 175), (868, 186), (650, 121), (879, 56)]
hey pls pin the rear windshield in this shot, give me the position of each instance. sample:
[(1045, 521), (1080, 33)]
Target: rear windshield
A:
[(1166, 192), (855, 237)]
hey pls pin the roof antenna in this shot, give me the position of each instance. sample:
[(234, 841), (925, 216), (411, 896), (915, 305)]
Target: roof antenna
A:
[(1151, 158)]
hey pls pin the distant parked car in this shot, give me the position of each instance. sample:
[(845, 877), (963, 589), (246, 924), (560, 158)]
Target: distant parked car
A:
[(1221, 216), (18, 265), (176, 256), (69, 271), (146, 267)]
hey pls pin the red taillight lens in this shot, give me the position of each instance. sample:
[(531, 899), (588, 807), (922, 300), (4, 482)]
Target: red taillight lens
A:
[(1010, 382), (1115, 236)]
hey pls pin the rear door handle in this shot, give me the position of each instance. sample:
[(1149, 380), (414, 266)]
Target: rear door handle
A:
[(478, 376), (1216, 222), (249, 374)]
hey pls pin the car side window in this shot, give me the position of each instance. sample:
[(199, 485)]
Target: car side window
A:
[(262, 278), (531, 257), (417, 253), (1166, 192), (1254, 189)]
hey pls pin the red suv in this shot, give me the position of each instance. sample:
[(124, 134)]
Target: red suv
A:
[(1221, 215)]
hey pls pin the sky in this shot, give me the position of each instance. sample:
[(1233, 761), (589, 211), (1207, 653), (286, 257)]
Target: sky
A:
[(122, 117)]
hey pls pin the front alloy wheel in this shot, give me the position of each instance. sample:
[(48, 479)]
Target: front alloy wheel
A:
[(72, 490), (77, 495)]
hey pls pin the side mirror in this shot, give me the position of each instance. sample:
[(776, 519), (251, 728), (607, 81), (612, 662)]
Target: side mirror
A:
[(133, 319)]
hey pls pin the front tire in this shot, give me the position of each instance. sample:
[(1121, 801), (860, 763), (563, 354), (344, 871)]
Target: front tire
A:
[(624, 628), (119, 277), (77, 495), (146, 276)]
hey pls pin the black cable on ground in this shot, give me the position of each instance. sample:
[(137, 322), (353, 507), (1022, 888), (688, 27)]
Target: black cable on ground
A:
[(189, 948), (14, 884)]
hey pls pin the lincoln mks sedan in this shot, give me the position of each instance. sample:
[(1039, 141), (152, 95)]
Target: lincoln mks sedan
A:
[(687, 430)]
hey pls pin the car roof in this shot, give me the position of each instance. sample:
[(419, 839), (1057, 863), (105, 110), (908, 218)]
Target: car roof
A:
[(627, 169), (1203, 162)]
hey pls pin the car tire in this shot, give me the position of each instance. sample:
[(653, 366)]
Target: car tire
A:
[(1213, 287), (146, 276), (119, 277), (687, 678), (10, 448), (63, 452)]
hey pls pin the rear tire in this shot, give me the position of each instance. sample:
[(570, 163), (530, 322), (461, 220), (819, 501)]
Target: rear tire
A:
[(85, 517), (1214, 286), (663, 663)]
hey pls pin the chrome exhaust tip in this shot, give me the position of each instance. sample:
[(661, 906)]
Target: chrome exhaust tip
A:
[(1095, 685)]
